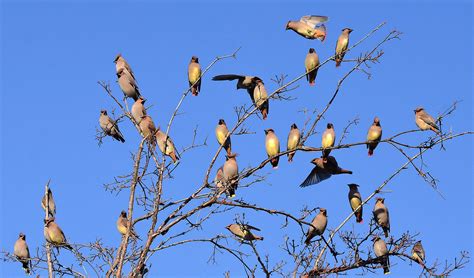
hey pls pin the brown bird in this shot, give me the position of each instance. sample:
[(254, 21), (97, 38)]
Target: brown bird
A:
[(374, 135), (309, 27), (194, 75), (243, 82), (148, 128), (328, 139), (221, 183), (381, 215), (121, 63), (311, 64), (22, 253), (138, 110), (166, 145), (260, 98), (231, 172), (272, 145), (122, 225), (341, 45), (418, 253), (54, 235), (243, 231), (127, 84), (355, 200), (110, 127), (51, 203), (320, 221), (323, 170), (293, 141), (425, 121), (221, 133), (381, 251)]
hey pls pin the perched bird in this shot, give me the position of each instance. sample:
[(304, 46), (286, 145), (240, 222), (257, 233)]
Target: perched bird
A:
[(51, 204), (138, 110), (381, 251), (221, 133), (341, 45), (243, 231), (381, 215), (121, 63), (424, 120), (243, 82), (122, 225), (127, 84), (272, 145), (148, 128), (310, 27), (194, 75), (328, 139), (110, 127), (418, 252), (323, 170), (374, 135), (221, 184), (355, 200), (320, 221), (22, 253), (311, 64), (166, 145), (293, 141), (231, 172), (260, 98), (54, 235)]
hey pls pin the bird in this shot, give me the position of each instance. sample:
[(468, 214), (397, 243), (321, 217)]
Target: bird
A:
[(54, 235), (122, 225), (148, 128), (341, 45), (121, 63), (127, 84), (328, 139), (309, 26), (110, 127), (374, 135), (243, 231), (230, 172), (221, 184), (272, 146), (425, 121), (319, 223), (194, 75), (418, 252), (243, 82), (381, 251), (323, 170), (355, 200), (260, 98), (293, 141), (381, 215), (221, 133), (166, 145), (51, 203), (22, 253), (138, 110), (311, 64)]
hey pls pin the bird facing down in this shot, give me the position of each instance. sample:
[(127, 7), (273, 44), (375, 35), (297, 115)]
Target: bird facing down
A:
[(311, 64), (194, 75), (381, 215), (328, 139), (110, 127), (243, 231), (272, 146), (293, 141), (22, 253), (425, 121), (51, 203), (374, 135), (323, 169), (341, 45), (127, 84), (381, 251), (54, 235), (121, 63), (418, 253), (320, 221), (122, 225), (166, 145), (221, 133), (309, 27), (355, 200)]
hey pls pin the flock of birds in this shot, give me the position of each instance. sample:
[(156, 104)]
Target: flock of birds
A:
[(226, 180)]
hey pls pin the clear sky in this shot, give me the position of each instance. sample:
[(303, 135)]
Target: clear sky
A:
[(54, 53)]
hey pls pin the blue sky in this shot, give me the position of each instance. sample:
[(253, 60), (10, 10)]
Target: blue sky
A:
[(53, 55)]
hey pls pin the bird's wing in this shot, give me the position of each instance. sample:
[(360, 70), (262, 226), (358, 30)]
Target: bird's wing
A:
[(227, 77), (313, 20), (316, 176), (429, 120), (249, 227)]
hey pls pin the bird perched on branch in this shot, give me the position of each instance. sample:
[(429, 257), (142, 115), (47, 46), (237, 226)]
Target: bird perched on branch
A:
[(381, 215), (54, 235), (166, 145), (221, 184), (374, 135), (293, 141), (425, 121), (127, 84), (121, 63), (319, 223), (341, 45), (230, 172), (221, 133), (148, 128), (418, 252), (328, 139), (323, 170), (260, 98), (110, 127), (51, 203), (381, 251), (355, 200), (138, 110), (272, 146), (123, 224), (311, 64), (22, 253), (309, 26), (243, 231), (194, 75)]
